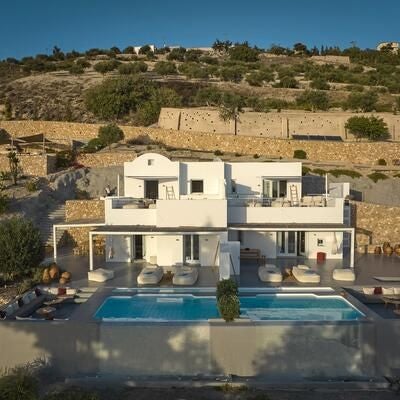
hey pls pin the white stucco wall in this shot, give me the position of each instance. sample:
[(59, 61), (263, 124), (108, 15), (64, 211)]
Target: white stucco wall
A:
[(121, 248), (333, 250), (265, 241), (209, 256)]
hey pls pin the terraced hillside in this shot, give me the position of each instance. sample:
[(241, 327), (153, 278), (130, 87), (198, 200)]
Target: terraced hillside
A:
[(54, 87)]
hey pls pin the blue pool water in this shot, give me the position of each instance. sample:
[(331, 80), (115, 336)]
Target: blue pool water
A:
[(304, 307)]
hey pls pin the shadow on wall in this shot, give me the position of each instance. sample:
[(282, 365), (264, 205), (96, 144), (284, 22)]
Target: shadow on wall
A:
[(270, 351)]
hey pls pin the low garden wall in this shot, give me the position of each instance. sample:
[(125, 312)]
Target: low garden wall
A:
[(32, 164), (105, 159), (271, 351)]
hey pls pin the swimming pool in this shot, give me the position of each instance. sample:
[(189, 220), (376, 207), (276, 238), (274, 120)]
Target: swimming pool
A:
[(266, 307)]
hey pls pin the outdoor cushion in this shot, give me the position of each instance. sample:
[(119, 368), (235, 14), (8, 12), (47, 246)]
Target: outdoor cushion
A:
[(305, 275), (368, 290), (269, 273), (388, 291), (150, 275), (185, 276), (100, 275), (343, 274)]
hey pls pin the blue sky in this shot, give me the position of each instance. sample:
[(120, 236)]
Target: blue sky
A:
[(28, 27)]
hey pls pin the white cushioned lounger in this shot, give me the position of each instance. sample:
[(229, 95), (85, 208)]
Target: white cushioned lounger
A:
[(100, 275), (150, 275), (270, 273), (343, 274), (185, 276), (305, 275)]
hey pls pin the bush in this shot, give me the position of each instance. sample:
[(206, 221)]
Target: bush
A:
[(364, 102), (319, 171), (165, 68), (76, 69), (227, 287), (381, 161), (218, 153), (345, 172), (313, 100), (300, 154), (109, 134), (20, 247), (65, 159), (93, 146), (244, 53), (19, 384), (305, 170), (372, 128), (229, 307), (177, 54), (132, 68), (256, 155), (233, 74), (287, 82), (31, 186), (106, 66), (320, 84), (377, 176)]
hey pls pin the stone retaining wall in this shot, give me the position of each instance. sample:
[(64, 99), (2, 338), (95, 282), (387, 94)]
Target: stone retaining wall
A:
[(105, 159), (352, 152), (32, 164), (84, 210), (376, 224)]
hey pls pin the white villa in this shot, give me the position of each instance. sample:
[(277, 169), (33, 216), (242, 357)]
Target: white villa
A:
[(216, 213)]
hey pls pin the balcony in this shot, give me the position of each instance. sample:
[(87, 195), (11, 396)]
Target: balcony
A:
[(310, 209), (166, 213)]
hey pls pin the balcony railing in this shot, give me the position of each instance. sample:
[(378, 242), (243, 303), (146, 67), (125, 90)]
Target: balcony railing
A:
[(305, 201)]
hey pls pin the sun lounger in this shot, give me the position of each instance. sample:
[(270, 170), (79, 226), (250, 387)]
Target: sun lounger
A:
[(270, 273), (150, 275), (305, 275), (185, 276), (100, 275), (343, 274)]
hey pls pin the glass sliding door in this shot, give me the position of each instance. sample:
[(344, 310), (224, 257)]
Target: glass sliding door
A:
[(274, 189), (287, 243), (191, 248)]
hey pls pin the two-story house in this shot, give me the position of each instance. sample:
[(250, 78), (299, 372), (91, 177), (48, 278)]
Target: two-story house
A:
[(206, 213)]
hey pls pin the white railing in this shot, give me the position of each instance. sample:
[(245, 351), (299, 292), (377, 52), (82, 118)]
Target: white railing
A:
[(306, 201)]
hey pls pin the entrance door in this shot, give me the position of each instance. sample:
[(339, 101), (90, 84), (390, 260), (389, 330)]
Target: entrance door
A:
[(151, 190), (191, 248), (287, 243), (138, 247)]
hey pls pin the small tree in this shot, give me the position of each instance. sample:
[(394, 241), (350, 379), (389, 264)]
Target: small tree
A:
[(109, 134), (364, 102), (313, 100), (20, 247), (15, 169), (230, 107), (372, 128), (165, 68), (228, 300)]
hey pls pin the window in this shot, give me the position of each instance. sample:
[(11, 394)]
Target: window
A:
[(150, 161), (320, 242), (274, 188), (191, 247), (196, 186)]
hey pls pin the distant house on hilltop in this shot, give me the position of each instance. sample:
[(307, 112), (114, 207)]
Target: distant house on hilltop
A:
[(389, 46)]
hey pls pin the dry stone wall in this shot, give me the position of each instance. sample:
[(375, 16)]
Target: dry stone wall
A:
[(32, 164), (352, 152), (273, 124), (376, 224), (84, 210), (105, 159)]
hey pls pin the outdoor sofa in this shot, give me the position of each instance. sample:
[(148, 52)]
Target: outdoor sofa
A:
[(304, 274)]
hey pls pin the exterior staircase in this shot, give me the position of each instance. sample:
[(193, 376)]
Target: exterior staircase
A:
[(55, 216)]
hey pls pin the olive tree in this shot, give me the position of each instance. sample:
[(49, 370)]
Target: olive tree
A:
[(109, 134), (372, 128), (20, 247)]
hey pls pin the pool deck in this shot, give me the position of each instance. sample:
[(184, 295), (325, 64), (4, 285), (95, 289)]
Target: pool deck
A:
[(366, 267)]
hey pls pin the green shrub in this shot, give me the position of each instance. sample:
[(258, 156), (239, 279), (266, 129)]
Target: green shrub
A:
[(20, 247), (364, 102), (396, 175), (256, 155), (377, 176), (300, 154), (76, 69), (319, 84), (232, 74), (165, 68), (345, 172), (218, 153), (287, 82), (19, 384), (227, 287), (229, 307), (109, 134), (243, 52), (177, 54), (313, 100), (93, 146), (305, 170), (372, 128), (65, 159), (106, 66), (319, 171), (238, 154), (381, 161), (31, 186)]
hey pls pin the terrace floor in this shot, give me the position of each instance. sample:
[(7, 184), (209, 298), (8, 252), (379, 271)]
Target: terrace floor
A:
[(366, 267)]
